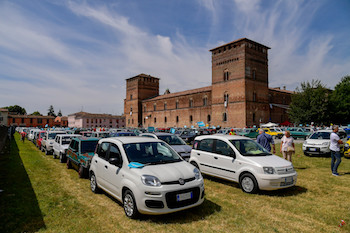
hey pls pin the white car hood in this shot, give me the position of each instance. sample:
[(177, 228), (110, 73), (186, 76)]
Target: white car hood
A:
[(316, 141), (167, 172), (182, 148), (269, 161)]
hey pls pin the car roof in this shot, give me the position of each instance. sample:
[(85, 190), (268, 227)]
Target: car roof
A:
[(221, 136), (71, 135), (86, 139), (130, 139)]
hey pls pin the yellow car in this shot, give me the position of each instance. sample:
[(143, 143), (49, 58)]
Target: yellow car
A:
[(273, 133), (347, 149)]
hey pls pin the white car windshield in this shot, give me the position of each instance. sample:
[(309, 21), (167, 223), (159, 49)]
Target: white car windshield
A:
[(321, 135), (150, 153), (249, 147)]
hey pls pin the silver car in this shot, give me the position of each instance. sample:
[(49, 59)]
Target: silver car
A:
[(174, 141)]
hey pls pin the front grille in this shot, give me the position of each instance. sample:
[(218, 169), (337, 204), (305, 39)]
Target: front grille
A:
[(171, 198), (284, 170), (177, 182)]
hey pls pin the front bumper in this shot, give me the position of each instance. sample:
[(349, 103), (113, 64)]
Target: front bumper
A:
[(316, 150), (167, 198), (273, 182)]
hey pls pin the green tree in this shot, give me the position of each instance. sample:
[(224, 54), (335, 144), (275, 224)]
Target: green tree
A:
[(16, 110), (59, 113), (51, 111), (36, 113), (310, 103), (340, 102)]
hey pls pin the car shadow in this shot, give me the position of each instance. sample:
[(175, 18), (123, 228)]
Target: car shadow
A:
[(292, 191), (344, 173), (20, 211)]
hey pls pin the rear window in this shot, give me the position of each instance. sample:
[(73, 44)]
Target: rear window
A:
[(206, 145)]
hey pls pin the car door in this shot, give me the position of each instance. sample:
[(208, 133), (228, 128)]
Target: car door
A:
[(205, 156), (100, 163), (113, 172), (224, 162)]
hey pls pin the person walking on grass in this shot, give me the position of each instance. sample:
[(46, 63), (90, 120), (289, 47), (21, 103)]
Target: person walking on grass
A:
[(265, 140), (335, 150), (287, 146)]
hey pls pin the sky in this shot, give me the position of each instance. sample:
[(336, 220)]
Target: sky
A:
[(76, 55)]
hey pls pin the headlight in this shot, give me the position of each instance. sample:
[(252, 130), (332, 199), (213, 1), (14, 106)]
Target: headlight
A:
[(269, 170), (150, 180), (197, 173), (325, 143)]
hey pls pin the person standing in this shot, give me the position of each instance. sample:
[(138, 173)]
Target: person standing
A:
[(287, 146), (265, 140), (335, 150)]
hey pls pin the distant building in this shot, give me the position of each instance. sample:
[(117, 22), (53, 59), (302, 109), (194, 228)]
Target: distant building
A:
[(30, 120), (93, 120), (3, 116), (238, 97), (61, 121)]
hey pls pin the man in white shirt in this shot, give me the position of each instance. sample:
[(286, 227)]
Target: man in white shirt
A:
[(335, 150)]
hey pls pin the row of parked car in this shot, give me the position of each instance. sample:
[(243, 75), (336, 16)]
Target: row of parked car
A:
[(158, 173)]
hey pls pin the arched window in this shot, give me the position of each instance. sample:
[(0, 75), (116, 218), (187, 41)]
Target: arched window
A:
[(177, 119), (254, 75), (208, 118), (226, 75), (165, 105), (144, 108), (154, 107), (254, 96), (177, 104), (224, 117), (191, 118), (226, 98), (165, 120), (205, 101), (155, 120), (190, 103)]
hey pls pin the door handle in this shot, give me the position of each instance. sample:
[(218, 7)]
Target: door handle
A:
[(198, 154), (215, 157), (106, 166), (95, 161)]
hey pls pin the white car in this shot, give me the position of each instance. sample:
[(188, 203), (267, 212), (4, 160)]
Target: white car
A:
[(32, 133), (48, 140), (61, 144), (146, 175), (240, 159), (318, 143)]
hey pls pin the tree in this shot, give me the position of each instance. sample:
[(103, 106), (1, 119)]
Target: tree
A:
[(340, 102), (16, 110), (310, 103), (36, 113), (59, 113), (51, 111)]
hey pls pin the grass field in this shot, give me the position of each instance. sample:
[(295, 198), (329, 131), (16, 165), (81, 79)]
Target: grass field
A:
[(41, 195)]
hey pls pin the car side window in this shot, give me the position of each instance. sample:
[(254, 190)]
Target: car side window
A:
[(223, 148), (102, 150), (206, 145), (114, 152)]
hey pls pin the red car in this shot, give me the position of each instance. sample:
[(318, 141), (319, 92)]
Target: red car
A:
[(40, 138)]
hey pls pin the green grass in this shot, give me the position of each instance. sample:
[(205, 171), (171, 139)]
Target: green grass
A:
[(40, 194)]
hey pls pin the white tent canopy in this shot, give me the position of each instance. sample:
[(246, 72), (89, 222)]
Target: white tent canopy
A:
[(268, 125)]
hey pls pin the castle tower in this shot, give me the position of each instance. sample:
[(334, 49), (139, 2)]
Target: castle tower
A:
[(240, 84), (138, 88)]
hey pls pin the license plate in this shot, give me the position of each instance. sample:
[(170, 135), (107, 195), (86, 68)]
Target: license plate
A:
[(289, 179), (184, 196), (312, 149)]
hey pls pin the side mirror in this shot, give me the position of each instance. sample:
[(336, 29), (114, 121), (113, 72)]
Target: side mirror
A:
[(115, 161)]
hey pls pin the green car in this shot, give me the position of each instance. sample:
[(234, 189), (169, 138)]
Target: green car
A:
[(298, 133), (79, 154), (250, 133)]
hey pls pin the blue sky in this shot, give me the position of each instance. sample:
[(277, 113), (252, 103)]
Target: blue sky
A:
[(76, 55)]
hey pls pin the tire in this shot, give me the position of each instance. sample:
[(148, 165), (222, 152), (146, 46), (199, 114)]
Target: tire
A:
[(306, 154), (42, 149), (248, 183), (54, 155), (46, 152), (129, 205), (81, 171), (69, 165), (93, 184), (62, 158)]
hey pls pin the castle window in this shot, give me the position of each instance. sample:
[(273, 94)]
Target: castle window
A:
[(191, 118), (144, 120), (128, 121), (130, 97), (132, 121), (224, 117), (130, 109), (87, 121), (254, 96), (254, 76), (177, 119), (226, 75), (177, 104), (155, 120), (191, 103), (144, 108), (253, 117), (165, 105), (208, 118), (205, 101), (165, 120), (154, 107), (226, 98)]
